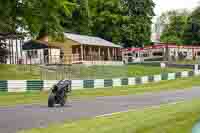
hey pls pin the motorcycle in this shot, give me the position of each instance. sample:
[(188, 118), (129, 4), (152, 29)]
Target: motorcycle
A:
[(59, 93)]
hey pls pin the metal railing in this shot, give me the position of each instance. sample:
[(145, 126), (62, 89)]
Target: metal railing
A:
[(56, 59)]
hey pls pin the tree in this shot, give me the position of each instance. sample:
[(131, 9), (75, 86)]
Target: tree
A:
[(171, 39), (192, 30), (107, 19), (120, 21), (80, 21), (85, 18), (97, 17), (8, 19), (137, 30), (45, 16), (38, 17), (174, 23)]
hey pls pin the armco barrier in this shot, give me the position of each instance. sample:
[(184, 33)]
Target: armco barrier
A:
[(45, 85)]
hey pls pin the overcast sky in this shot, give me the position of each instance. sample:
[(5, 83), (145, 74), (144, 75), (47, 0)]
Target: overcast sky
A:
[(164, 5)]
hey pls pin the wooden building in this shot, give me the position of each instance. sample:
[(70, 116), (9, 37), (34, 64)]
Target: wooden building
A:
[(76, 49)]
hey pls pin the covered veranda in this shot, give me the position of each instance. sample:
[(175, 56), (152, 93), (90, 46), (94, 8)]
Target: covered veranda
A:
[(96, 53)]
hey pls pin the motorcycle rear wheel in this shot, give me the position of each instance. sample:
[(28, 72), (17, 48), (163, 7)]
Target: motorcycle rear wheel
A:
[(51, 101)]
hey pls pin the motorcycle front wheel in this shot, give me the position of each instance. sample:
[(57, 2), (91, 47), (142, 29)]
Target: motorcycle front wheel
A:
[(63, 101)]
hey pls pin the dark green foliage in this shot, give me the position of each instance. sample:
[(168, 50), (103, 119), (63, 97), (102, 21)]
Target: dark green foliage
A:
[(183, 27), (192, 31), (45, 16), (125, 22), (38, 17), (108, 16), (80, 21), (8, 19), (137, 31), (175, 24)]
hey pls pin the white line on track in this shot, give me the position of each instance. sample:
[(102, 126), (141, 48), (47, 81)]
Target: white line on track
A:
[(133, 110)]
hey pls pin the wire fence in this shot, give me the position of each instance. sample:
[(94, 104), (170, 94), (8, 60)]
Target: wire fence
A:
[(69, 67), (58, 59), (91, 72), (73, 67), (79, 71)]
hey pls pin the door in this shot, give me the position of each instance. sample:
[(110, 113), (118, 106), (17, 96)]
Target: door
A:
[(46, 56)]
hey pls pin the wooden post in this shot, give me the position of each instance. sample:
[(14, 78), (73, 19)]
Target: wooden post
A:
[(99, 53), (50, 62), (16, 45), (12, 52), (108, 53), (103, 55), (30, 59), (113, 53), (40, 56), (9, 51), (21, 47), (81, 52), (85, 53), (116, 52), (90, 54)]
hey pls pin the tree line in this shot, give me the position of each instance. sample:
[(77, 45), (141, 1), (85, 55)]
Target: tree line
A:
[(181, 27), (124, 22)]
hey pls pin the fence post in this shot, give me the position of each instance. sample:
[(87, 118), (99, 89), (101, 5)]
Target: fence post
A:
[(196, 67)]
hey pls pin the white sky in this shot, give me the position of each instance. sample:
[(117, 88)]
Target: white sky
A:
[(165, 5)]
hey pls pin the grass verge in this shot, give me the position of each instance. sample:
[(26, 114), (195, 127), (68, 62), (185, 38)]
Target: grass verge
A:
[(179, 118), (25, 72), (7, 99), (18, 72)]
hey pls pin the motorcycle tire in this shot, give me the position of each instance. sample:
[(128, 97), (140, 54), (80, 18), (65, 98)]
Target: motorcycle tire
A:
[(51, 101)]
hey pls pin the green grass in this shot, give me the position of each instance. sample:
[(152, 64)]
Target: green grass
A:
[(102, 72), (7, 99), (18, 72), (179, 118), (21, 72), (124, 71), (187, 62), (142, 70)]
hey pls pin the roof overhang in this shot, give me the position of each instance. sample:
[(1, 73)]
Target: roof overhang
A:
[(36, 44)]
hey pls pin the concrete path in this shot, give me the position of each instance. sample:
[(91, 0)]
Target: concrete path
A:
[(13, 119)]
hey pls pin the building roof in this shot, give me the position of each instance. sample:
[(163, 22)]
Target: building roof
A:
[(160, 46), (90, 40), (35, 44)]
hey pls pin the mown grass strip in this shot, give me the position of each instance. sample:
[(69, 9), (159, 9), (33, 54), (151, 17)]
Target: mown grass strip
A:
[(179, 118)]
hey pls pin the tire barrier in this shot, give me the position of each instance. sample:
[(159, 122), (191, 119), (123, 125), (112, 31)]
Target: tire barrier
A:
[(45, 85)]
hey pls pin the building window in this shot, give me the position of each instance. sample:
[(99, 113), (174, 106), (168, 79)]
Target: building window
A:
[(198, 53), (145, 55), (158, 54), (136, 55), (28, 54), (61, 54), (32, 54), (35, 54)]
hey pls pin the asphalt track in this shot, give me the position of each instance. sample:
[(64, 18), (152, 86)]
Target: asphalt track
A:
[(13, 119)]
